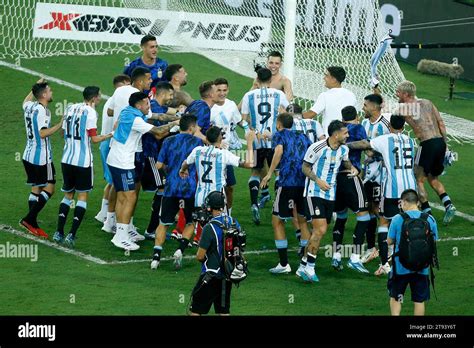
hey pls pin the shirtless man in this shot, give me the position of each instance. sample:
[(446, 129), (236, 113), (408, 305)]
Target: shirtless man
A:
[(430, 130), (177, 76), (279, 81)]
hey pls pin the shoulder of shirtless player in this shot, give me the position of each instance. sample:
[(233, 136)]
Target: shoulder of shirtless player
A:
[(422, 118)]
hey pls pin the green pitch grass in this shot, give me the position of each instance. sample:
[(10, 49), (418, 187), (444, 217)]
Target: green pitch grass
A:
[(64, 284)]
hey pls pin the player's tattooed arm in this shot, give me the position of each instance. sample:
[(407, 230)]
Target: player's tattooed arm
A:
[(359, 145), (308, 171), (161, 131), (441, 125), (353, 170), (164, 117)]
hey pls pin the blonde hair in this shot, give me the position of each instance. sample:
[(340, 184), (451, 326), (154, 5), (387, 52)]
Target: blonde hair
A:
[(407, 87)]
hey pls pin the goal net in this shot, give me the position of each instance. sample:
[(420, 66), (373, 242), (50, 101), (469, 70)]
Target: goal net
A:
[(328, 32)]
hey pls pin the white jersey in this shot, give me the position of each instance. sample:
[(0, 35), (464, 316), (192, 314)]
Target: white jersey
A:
[(330, 103), (226, 116), (325, 164), (107, 121), (309, 127), (123, 155), (263, 105), (120, 101), (210, 163), (78, 120), (37, 150), (398, 151), (373, 166)]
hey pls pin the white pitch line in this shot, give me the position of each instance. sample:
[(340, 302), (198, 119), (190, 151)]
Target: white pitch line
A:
[(47, 77), (458, 213), (87, 257)]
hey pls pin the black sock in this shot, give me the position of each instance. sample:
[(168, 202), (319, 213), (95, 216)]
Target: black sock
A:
[(338, 231), (371, 230), (359, 234), (155, 214), (36, 208), (310, 258), (283, 254), (32, 200), (253, 187), (183, 244), (79, 212), (383, 247), (425, 207), (62, 215), (265, 191), (445, 199), (298, 235), (157, 252)]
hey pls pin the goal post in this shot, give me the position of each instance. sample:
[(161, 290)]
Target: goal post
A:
[(311, 34)]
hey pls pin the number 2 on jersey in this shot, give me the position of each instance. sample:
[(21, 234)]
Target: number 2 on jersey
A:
[(204, 177)]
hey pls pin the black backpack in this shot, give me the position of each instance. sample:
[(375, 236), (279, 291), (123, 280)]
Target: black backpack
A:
[(417, 246)]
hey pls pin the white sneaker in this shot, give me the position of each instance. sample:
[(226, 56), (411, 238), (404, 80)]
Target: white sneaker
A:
[(279, 269), (369, 255), (135, 236), (300, 271), (155, 264), (125, 244), (101, 217), (109, 228), (178, 259), (383, 269)]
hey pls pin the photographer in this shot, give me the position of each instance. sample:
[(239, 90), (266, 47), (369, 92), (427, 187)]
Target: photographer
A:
[(213, 286)]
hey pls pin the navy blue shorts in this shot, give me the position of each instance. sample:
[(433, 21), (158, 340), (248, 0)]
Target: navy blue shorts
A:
[(139, 166), (419, 286), (123, 179), (230, 176)]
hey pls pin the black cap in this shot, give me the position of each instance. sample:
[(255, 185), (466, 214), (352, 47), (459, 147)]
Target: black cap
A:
[(215, 200)]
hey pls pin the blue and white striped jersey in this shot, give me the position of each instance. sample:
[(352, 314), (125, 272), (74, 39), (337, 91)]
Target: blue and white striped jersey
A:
[(380, 127), (325, 164), (226, 116), (373, 166), (210, 163), (37, 150), (262, 106), (398, 151), (309, 127), (78, 120)]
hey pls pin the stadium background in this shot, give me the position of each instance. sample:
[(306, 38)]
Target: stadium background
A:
[(67, 284)]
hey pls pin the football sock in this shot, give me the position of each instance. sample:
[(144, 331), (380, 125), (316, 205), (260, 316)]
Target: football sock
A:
[(303, 261), (110, 220), (310, 260), (282, 247), (275, 185), (32, 199), (183, 244), (371, 229), (198, 231), (181, 221), (425, 207), (303, 244), (36, 208), (155, 213), (445, 199), (339, 227), (382, 234), (105, 206), (79, 212), (254, 183), (298, 234), (359, 232), (62, 215), (265, 191), (122, 232), (157, 252)]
